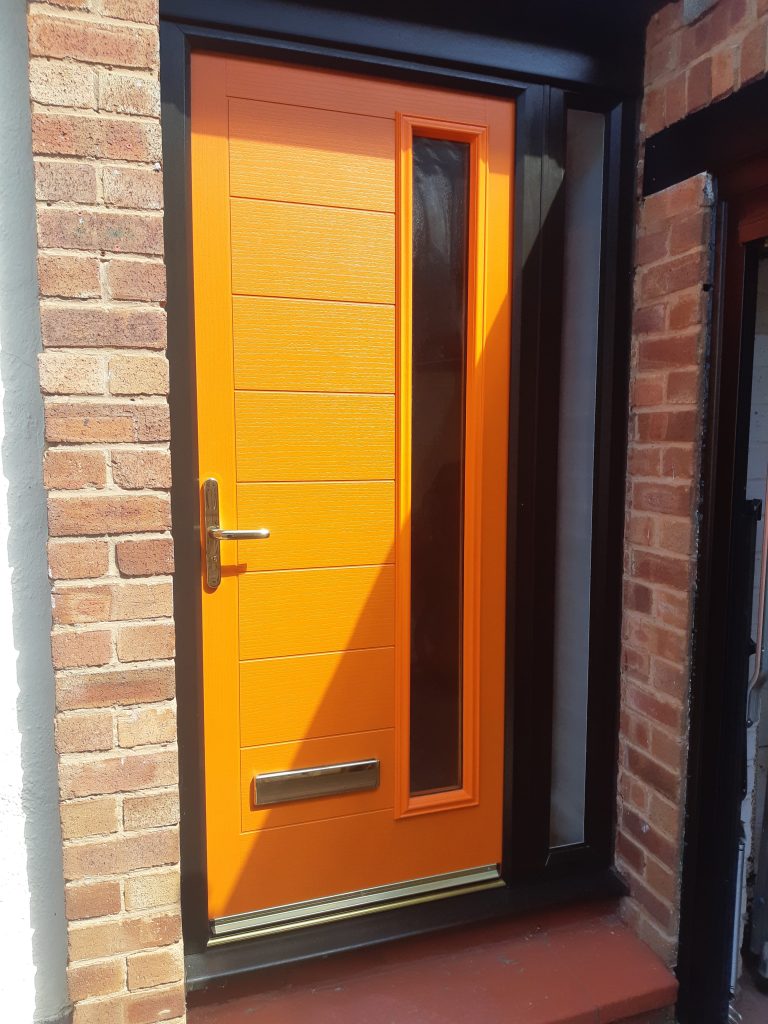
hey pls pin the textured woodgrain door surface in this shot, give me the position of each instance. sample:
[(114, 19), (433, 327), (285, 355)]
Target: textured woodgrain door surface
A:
[(303, 207)]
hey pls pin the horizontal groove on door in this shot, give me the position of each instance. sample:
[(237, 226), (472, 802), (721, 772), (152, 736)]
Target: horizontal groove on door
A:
[(297, 154), (338, 91), (279, 757), (301, 345), (312, 252), (295, 437), (315, 695), (311, 611), (317, 525)]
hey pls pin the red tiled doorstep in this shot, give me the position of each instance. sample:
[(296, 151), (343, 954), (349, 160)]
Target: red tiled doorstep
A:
[(577, 966)]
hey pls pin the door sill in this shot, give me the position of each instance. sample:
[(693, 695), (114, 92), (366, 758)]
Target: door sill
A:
[(211, 964), (353, 904)]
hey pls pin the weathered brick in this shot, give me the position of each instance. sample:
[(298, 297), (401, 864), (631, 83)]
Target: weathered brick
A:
[(79, 422), (75, 277), (82, 135), (144, 557), (96, 979), (678, 463), (92, 899), (65, 373), (676, 98), (144, 11), (155, 1005), (117, 855), (134, 600), (654, 111), (85, 649), (644, 462), (673, 351), (671, 276), (61, 83), (73, 469), (671, 498), (82, 731), (115, 687), (149, 890), (109, 1010), (65, 181), (121, 774), (662, 569), (107, 938), (81, 819), (665, 712), (140, 469), (153, 810), (148, 970), (150, 725), (123, 93), (77, 604), (133, 188), (723, 71), (94, 515), (75, 560), (136, 279), (138, 375), (94, 42), (676, 425), (754, 53), (145, 642), (699, 84), (655, 774), (648, 838), (87, 326)]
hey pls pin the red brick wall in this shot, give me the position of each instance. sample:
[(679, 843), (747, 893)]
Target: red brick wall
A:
[(96, 140), (673, 259), (689, 66)]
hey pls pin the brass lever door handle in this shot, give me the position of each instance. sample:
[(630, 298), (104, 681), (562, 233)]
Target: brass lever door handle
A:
[(214, 534)]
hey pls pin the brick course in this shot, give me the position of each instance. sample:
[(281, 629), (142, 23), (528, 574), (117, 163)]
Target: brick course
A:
[(673, 271), (689, 66), (96, 139)]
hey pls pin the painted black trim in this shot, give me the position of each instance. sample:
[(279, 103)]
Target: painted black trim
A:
[(720, 659), (555, 50), (537, 336), (713, 139)]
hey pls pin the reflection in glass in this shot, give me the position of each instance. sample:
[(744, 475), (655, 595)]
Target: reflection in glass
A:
[(440, 284)]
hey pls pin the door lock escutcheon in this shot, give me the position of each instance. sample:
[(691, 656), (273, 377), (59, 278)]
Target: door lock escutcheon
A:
[(215, 534)]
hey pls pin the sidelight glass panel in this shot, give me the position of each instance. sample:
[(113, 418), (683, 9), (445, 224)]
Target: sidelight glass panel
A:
[(439, 303), (575, 473)]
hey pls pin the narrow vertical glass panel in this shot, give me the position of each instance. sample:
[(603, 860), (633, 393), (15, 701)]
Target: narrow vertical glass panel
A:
[(439, 297), (575, 471)]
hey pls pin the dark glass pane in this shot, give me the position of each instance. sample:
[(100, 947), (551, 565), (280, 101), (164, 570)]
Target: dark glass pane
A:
[(440, 244)]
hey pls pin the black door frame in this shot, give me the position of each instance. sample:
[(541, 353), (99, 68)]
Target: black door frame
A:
[(538, 877)]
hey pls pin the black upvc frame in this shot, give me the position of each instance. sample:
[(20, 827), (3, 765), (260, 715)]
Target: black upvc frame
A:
[(536, 877)]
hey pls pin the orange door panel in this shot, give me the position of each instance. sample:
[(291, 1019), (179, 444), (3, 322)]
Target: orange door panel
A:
[(303, 231)]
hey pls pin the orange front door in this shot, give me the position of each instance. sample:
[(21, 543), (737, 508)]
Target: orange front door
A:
[(352, 261)]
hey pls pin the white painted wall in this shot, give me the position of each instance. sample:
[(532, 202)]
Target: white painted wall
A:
[(32, 923)]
